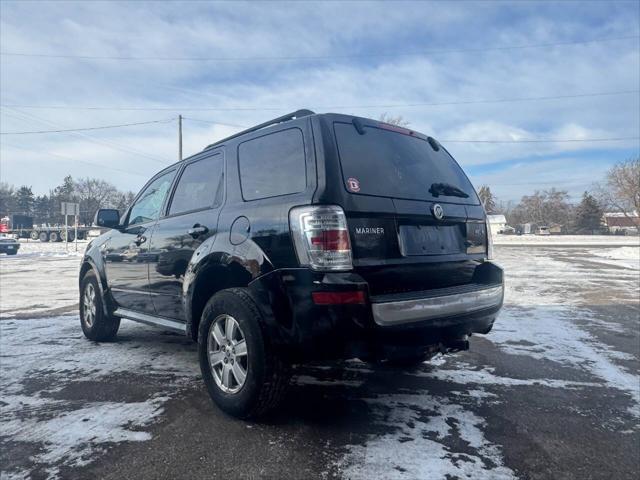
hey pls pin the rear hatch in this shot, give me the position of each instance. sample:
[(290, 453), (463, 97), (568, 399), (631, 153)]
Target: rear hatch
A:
[(414, 218)]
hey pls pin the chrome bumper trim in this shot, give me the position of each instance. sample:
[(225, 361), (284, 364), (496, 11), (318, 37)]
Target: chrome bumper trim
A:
[(408, 311)]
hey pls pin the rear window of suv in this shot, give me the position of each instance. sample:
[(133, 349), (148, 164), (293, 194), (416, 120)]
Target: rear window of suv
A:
[(388, 163), (272, 165)]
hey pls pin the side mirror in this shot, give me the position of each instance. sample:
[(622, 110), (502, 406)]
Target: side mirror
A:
[(107, 218)]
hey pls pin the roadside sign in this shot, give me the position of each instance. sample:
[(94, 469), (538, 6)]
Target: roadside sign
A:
[(70, 208)]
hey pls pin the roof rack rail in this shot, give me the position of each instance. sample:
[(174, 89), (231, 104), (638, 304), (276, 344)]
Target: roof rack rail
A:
[(275, 121)]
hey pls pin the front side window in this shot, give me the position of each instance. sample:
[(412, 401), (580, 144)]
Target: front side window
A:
[(198, 185), (272, 165), (150, 201)]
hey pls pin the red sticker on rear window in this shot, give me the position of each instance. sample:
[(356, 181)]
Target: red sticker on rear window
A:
[(353, 184)]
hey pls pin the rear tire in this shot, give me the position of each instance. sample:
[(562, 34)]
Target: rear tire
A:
[(96, 325), (260, 383)]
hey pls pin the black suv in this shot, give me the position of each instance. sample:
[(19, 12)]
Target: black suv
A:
[(307, 237)]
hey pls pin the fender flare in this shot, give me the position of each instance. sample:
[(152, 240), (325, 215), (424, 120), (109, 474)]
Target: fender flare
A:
[(108, 304), (233, 268)]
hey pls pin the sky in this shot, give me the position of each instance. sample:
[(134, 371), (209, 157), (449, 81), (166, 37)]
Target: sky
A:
[(460, 71)]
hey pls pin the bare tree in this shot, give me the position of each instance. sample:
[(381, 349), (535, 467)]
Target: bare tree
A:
[(543, 208), (93, 194), (399, 120), (621, 188)]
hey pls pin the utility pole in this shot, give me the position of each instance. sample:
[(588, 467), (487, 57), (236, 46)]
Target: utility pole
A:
[(179, 137)]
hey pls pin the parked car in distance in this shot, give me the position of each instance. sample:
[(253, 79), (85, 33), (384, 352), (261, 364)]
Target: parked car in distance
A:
[(308, 237), (543, 231), (8, 244), (507, 230)]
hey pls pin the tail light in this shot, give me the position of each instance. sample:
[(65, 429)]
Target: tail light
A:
[(321, 237), (489, 240)]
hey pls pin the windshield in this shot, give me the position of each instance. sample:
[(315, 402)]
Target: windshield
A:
[(391, 164)]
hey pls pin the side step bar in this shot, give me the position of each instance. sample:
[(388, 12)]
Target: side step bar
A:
[(161, 322)]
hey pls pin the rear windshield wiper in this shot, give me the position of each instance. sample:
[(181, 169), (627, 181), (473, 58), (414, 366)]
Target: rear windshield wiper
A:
[(447, 189)]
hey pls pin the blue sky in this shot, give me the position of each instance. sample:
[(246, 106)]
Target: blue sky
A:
[(365, 58)]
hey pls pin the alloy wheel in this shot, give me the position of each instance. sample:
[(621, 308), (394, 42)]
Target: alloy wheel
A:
[(89, 304), (227, 352)]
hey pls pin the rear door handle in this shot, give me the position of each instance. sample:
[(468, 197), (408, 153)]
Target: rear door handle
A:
[(197, 230)]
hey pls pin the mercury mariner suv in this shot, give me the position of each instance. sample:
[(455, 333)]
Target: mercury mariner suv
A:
[(308, 237)]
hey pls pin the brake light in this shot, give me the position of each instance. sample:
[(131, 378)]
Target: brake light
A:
[(321, 237)]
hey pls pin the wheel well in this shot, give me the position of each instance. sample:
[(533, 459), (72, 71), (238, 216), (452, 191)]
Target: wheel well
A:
[(86, 266), (210, 282)]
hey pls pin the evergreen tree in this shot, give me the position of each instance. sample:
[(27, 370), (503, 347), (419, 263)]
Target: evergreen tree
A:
[(7, 199), (588, 215), (42, 209), (24, 200)]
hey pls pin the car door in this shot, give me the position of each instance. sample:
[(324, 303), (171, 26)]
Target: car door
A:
[(126, 254), (191, 218)]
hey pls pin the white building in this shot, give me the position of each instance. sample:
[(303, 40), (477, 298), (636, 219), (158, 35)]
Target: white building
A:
[(497, 223)]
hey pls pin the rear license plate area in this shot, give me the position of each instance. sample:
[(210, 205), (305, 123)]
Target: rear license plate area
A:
[(431, 240)]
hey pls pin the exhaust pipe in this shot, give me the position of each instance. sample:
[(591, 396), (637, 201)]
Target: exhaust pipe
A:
[(455, 345)]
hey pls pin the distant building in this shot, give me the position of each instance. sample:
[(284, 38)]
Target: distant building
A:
[(556, 229), (497, 223), (618, 222)]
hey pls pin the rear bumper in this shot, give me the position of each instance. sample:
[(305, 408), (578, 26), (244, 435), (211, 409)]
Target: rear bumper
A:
[(432, 305), (414, 320)]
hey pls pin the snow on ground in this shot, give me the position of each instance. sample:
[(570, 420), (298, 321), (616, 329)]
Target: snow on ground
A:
[(628, 257), (567, 240), (422, 452), (550, 317), (41, 278), (544, 318), (54, 351)]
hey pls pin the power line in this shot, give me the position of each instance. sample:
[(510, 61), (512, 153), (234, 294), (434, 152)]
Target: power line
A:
[(88, 128), (106, 143), (536, 140), (547, 140), (319, 57), (214, 122), (325, 107), (64, 157)]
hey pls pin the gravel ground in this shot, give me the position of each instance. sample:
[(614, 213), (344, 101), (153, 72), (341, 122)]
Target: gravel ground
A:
[(552, 392)]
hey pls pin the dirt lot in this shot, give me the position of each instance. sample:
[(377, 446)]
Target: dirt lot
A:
[(552, 392)]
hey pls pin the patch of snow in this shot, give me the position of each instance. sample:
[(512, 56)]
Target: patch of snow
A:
[(628, 257), (55, 352), (40, 278), (566, 240), (71, 437), (417, 448)]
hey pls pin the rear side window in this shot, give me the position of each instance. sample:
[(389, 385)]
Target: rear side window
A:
[(198, 185), (272, 165), (388, 163)]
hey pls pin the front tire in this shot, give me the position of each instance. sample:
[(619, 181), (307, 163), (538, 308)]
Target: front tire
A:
[(96, 325), (244, 376)]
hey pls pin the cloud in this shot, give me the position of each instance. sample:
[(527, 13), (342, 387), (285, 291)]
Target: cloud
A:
[(340, 84)]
